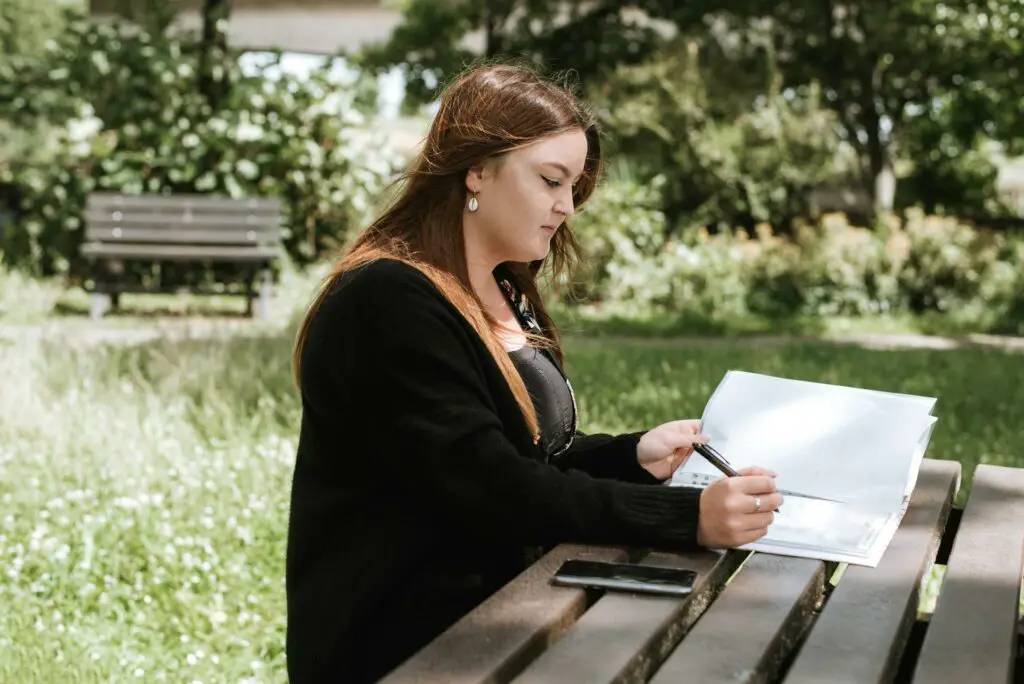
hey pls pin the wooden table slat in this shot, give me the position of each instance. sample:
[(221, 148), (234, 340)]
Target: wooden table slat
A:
[(753, 627), (496, 640), (972, 636), (864, 626), (625, 637)]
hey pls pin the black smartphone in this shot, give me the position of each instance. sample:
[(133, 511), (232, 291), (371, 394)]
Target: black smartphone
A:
[(647, 579)]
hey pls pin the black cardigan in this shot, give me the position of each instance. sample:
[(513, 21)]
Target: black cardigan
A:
[(418, 490)]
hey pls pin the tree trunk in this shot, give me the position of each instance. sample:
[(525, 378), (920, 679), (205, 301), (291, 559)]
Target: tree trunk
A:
[(885, 188), (490, 39), (214, 60), (494, 19), (879, 175)]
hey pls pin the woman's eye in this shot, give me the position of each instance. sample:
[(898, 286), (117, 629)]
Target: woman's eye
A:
[(551, 182)]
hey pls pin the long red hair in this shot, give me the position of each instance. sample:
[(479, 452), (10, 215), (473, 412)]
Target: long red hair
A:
[(484, 112)]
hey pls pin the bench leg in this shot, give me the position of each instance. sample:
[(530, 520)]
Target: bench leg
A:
[(263, 306), (99, 304)]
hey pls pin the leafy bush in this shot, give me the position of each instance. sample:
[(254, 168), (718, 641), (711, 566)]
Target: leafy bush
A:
[(917, 265), (775, 276), (753, 163), (945, 263), (707, 280), (630, 262), (847, 270), (1003, 289), (621, 225), (130, 117)]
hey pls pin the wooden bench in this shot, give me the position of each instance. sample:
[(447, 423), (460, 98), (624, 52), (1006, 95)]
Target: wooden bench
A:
[(196, 230), (762, 618)]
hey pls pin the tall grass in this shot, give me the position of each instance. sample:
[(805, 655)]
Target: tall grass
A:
[(24, 299), (144, 489), (143, 493)]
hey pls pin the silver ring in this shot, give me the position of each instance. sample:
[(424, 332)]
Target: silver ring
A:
[(757, 504)]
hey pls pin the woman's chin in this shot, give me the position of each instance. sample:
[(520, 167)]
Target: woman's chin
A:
[(542, 250), (528, 256), (540, 255)]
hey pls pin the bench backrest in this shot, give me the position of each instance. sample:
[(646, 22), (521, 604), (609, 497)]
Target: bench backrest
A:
[(182, 220)]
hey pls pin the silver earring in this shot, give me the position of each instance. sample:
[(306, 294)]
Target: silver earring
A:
[(473, 205)]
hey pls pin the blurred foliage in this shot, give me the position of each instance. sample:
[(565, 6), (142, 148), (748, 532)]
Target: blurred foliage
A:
[(918, 265), (26, 26), (755, 164), (726, 126), (890, 73), (949, 173), (884, 66), (124, 112), (437, 38)]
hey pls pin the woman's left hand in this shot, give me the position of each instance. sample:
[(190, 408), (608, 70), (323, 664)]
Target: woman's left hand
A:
[(666, 447)]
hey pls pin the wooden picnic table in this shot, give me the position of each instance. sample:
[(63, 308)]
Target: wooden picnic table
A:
[(756, 617)]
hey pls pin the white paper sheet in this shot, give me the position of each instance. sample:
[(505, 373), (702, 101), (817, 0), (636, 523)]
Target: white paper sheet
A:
[(864, 447)]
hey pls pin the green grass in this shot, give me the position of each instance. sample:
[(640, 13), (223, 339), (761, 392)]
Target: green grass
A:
[(143, 490), (592, 322), (143, 498), (627, 386)]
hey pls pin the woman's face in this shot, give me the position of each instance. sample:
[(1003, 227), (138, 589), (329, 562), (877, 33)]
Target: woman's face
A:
[(523, 197)]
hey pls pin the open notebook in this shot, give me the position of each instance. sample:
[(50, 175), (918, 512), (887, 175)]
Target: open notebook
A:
[(863, 447)]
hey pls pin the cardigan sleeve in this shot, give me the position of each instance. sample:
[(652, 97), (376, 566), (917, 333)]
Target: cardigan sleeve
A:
[(607, 456), (442, 442)]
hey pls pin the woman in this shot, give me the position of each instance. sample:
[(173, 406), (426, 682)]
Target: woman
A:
[(439, 453)]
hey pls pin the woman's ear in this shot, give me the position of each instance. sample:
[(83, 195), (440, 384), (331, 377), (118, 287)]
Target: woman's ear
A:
[(475, 178)]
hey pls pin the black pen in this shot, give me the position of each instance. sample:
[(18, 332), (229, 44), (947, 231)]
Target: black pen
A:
[(716, 459)]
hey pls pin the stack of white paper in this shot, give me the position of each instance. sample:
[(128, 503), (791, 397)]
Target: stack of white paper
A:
[(863, 447)]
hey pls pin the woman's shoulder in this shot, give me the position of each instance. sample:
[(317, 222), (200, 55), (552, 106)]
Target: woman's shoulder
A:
[(381, 281), (383, 294)]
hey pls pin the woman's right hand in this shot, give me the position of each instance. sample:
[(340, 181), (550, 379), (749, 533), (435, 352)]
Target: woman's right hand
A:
[(729, 516)]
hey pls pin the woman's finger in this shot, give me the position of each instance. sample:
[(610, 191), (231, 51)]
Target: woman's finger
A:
[(769, 502), (756, 485), (757, 470), (691, 436), (756, 521)]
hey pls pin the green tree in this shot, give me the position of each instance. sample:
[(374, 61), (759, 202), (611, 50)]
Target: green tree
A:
[(885, 64), (751, 156), (125, 112), (437, 38), (26, 26), (950, 171)]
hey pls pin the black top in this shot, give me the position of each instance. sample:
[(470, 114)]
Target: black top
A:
[(551, 398), (550, 390), (418, 490)]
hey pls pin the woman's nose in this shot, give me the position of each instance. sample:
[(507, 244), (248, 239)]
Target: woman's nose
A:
[(566, 207)]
